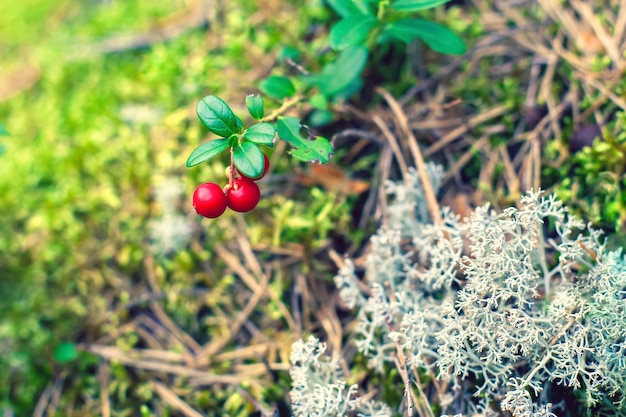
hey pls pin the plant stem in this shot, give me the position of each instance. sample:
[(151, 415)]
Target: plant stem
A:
[(283, 108), (231, 174)]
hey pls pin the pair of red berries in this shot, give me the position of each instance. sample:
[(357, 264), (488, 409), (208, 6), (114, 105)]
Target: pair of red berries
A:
[(210, 200)]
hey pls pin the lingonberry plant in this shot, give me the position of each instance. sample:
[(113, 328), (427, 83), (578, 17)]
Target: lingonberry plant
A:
[(248, 163)]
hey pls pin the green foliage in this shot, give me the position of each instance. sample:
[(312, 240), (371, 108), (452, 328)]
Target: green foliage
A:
[(248, 159), (317, 150), (339, 75), (216, 116), (65, 352), (255, 106), (277, 87), (207, 151), (594, 179), (438, 37), (261, 134), (351, 31), (364, 28), (415, 5)]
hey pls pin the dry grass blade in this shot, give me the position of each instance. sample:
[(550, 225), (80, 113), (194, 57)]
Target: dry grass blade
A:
[(237, 267), (170, 398), (49, 400), (604, 90), (126, 358), (203, 358), (587, 13), (190, 344), (487, 115), (103, 380), (393, 143), (403, 123), (465, 158)]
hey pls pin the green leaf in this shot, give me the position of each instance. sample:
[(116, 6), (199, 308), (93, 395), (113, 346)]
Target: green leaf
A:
[(415, 5), (249, 159), (254, 103), (261, 134), (320, 117), (317, 150), (277, 87), (339, 74), (347, 8), (438, 37), (215, 114), (3, 131), (289, 52), (351, 31), (319, 102), (65, 352), (206, 151)]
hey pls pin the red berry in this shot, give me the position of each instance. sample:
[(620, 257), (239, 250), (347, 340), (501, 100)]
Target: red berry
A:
[(209, 200), (266, 166), (244, 195)]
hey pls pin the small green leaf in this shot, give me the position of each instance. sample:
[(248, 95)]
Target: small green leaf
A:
[(320, 117), (206, 151), (317, 150), (3, 131), (261, 134), (319, 102), (337, 76), (254, 103), (215, 114), (415, 5), (438, 37), (65, 352), (249, 159), (277, 87), (351, 31), (347, 8), (289, 53)]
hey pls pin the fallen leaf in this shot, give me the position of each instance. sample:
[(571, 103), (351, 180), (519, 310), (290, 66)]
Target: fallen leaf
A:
[(332, 178)]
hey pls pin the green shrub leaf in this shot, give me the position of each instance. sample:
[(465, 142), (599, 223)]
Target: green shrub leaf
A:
[(319, 102), (215, 114), (261, 134), (438, 37), (207, 151), (339, 74), (351, 31), (415, 5), (320, 117), (317, 150), (254, 104), (277, 87), (347, 8), (249, 159), (65, 352), (3, 131)]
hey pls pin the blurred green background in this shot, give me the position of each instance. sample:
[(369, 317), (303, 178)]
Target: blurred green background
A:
[(97, 101)]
